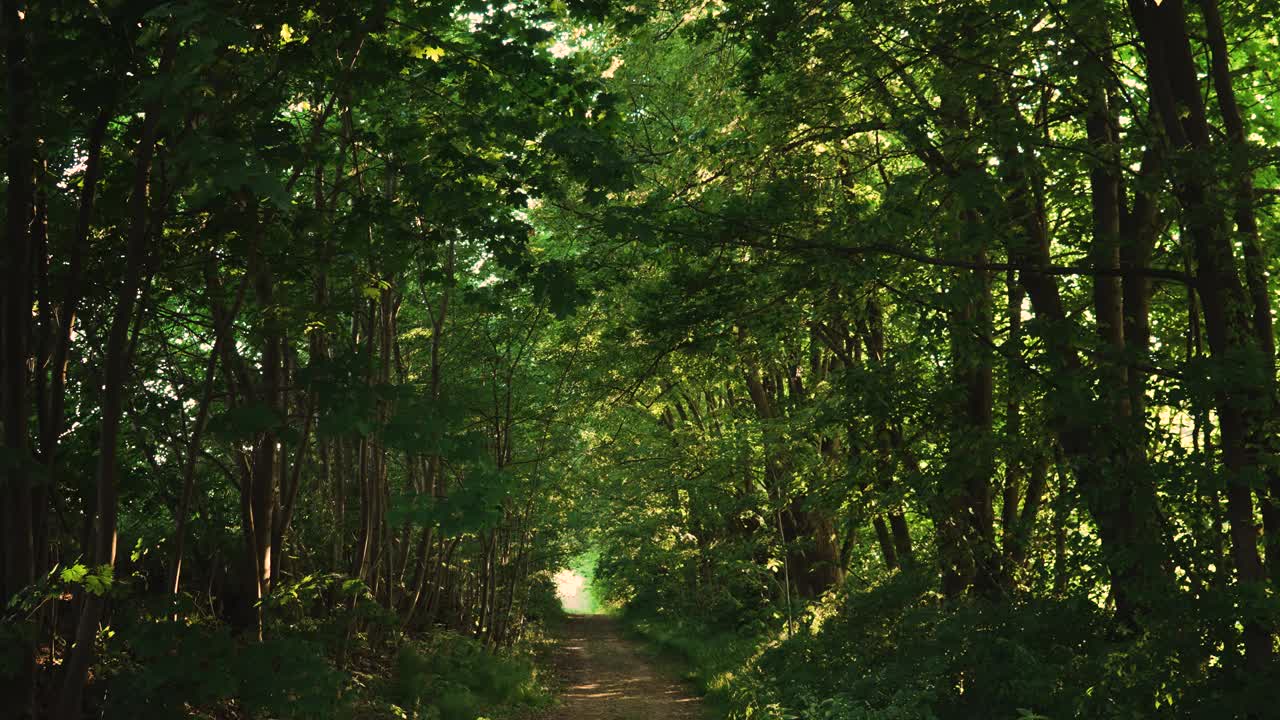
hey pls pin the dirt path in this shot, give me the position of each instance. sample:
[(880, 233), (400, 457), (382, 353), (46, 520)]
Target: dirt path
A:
[(606, 678)]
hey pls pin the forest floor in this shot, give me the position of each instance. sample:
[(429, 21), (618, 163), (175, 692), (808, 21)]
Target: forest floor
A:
[(606, 676)]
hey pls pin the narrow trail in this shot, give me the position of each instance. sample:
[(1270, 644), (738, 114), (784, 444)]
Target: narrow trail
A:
[(607, 678)]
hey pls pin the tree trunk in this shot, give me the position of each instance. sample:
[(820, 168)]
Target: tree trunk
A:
[(222, 331), (887, 551), (1175, 90), (1255, 264), (115, 377), (1124, 507), (16, 515)]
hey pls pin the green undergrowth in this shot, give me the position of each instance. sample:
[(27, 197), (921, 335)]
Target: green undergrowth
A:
[(451, 677), (708, 655), (895, 651), (348, 664), (178, 672)]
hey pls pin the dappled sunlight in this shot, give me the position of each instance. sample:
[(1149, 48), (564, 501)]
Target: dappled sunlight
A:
[(605, 677), (786, 358)]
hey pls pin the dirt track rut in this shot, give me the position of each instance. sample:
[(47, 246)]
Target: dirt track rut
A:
[(606, 677)]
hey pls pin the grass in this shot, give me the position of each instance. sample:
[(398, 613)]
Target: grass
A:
[(707, 657)]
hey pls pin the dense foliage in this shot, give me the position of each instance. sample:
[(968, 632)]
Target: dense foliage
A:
[(285, 391), (895, 359)]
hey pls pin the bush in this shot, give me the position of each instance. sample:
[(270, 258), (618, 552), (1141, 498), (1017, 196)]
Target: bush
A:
[(712, 654), (169, 669), (452, 677), (896, 651)]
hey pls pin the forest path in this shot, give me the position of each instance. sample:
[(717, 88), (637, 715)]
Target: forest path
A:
[(606, 677)]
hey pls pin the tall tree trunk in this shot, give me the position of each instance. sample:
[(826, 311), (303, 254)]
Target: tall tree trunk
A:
[(115, 378), (54, 416), (812, 556), (1255, 264), (1119, 457), (1015, 443), (901, 538), (222, 330), (887, 550), (965, 511), (1175, 90), (16, 514), (1026, 463), (260, 483), (888, 437), (1124, 507)]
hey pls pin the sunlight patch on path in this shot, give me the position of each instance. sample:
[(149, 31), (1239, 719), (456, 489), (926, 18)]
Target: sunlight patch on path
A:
[(606, 678)]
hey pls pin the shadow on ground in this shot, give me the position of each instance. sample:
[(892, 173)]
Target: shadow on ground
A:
[(606, 678)]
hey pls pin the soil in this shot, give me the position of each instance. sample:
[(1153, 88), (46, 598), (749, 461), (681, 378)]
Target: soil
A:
[(605, 676)]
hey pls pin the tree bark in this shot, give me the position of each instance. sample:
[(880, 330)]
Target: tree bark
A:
[(115, 378), (16, 515), (887, 550), (1255, 264), (1175, 90), (1124, 507)]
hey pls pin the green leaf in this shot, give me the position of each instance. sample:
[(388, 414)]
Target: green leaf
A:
[(74, 574)]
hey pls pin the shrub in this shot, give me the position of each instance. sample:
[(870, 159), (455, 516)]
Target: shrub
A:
[(166, 669), (452, 677)]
